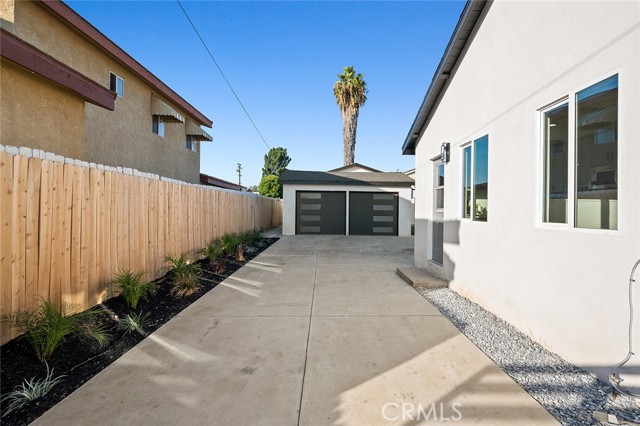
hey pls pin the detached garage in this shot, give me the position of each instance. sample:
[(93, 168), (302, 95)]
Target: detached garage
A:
[(354, 200)]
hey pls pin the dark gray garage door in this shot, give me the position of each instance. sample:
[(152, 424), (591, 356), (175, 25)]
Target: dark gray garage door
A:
[(321, 212), (373, 213)]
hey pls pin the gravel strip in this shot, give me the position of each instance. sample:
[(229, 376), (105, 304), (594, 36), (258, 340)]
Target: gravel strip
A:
[(569, 393)]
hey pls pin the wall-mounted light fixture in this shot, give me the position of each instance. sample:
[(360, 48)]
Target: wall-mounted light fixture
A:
[(444, 152)]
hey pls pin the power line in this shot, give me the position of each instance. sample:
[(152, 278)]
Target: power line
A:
[(223, 76)]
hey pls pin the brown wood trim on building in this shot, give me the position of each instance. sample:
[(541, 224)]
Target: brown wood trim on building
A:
[(220, 183), (25, 55), (82, 26)]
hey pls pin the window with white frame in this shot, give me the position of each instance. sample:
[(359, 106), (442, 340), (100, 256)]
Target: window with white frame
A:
[(438, 183), (191, 143), (116, 84), (158, 125), (580, 179), (475, 179), (556, 158)]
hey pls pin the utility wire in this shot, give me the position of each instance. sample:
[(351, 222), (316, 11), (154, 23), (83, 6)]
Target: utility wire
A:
[(223, 76)]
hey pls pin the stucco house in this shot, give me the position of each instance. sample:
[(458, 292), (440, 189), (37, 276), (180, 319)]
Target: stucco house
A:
[(68, 89), (349, 200), (527, 179)]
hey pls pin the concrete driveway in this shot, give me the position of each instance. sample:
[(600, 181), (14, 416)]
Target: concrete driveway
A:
[(317, 330)]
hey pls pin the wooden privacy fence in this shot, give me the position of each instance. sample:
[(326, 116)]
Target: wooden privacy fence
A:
[(65, 230)]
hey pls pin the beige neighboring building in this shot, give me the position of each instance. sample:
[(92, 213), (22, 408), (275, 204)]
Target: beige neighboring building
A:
[(68, 89)]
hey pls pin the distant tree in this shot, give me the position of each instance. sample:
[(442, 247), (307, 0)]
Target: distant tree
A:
[(270, 187), (275, 161), (351, 93), (253, 188)]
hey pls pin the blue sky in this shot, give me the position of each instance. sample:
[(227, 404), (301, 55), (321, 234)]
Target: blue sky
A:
[(282, 58)]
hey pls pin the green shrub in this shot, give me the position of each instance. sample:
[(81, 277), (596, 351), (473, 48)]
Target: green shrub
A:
[(134, 322), (131, 287), (229, 243), (270, 187), (30, 390), (250, 237), (185, 285), (48, 325), (184, 273), (214, 250)]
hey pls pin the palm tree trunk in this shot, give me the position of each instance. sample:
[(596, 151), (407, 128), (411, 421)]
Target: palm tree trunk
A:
[(349, 126)]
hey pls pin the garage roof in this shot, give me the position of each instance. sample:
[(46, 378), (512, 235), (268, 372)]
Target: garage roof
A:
[(304, 177)]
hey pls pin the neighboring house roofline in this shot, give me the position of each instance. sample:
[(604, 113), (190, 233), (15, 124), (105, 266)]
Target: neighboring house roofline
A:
[(36, 61), (362, 166), (452, 55), (214, 181), (83, 27)]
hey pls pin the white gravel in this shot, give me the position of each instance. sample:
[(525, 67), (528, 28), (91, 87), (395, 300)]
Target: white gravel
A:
[(569, 393)]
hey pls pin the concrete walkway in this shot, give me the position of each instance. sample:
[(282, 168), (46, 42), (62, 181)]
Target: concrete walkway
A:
[(314, 331)]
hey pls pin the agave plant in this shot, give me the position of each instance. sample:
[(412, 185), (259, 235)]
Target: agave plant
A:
[(133, 322), (30, 390)]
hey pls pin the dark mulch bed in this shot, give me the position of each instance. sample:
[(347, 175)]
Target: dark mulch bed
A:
[(81, 360)]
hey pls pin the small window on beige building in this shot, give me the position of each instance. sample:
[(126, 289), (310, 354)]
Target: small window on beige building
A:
[(157, 125), (191, 143), (116, 84)]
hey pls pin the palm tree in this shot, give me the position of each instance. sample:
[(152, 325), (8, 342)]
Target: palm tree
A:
[(351, 94)]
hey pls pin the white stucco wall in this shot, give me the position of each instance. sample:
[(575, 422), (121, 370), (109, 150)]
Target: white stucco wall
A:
[(405, 207), (566, 288)]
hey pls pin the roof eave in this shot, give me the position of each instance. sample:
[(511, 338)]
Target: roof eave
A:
[(346, 183), (86, 29), (461, 35), (376, 184)]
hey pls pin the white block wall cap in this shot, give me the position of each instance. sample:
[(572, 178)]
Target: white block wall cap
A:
[(50, 156), (27, 152), (10, 149), (1, 148), (60, 158), (84, 164)]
